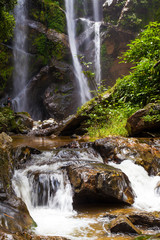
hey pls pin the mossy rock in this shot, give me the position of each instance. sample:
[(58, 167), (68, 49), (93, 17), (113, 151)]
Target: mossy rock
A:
[(13, 122), (146, 120)]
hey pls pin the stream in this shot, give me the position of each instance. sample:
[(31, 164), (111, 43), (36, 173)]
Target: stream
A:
[(45, 188)]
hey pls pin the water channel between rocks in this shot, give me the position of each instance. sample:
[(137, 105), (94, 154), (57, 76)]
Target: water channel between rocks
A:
[(49, 196)]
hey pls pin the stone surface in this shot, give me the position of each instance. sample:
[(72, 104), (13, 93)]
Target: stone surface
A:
[(14, 214), (115, 42), (123, 225), (145, 121), (142, 152), (137, 217), (96, 182)]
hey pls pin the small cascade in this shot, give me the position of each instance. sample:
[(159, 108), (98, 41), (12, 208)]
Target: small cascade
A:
[(81, 79), (20, 73), (144, 186), (47, 192)]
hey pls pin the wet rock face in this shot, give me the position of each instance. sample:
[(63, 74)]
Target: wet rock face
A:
[(58, 99), (14, 213), (142, 152), (132, 221), (14, 216), (96, 182), (51, 92), (123, 225), (114, 43)]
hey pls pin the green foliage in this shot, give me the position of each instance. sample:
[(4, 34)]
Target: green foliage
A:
[(6, 119), (48, 49), (6, 19), (147, 45), (5, 66), (109, 119), (131, 21), (142, 86), (50, 14)]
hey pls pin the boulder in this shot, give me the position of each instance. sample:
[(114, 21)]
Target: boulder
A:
[(123, 225), (14, 214), (139, 218), (145, 122), (142, 152), (56, 86), (93, 182)]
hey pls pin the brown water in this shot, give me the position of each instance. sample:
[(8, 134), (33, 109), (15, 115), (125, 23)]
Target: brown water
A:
[(97, 229), (41, 143)]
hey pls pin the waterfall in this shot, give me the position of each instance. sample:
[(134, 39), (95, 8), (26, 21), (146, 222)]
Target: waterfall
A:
[(81, 79), (97, 19), (20, 72), (47, 192), (97, 54), (143, 185)]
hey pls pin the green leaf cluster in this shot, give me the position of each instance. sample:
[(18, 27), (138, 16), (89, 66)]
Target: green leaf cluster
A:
[(6, 19), (47, 49), (143, 84), (50, 14), (5, 66)]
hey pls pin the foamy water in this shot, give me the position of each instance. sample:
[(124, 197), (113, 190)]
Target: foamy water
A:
[(142, 184)]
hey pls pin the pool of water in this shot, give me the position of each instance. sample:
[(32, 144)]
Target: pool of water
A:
[(41, 143)]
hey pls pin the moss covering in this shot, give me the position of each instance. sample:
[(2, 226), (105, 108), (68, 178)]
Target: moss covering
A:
[(10, 122), (50, 13), (47, 49)]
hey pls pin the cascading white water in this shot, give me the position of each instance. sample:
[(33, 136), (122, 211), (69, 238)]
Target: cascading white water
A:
[(97, 53), (48, 195), (97, 19), (142, 184), (20, 72), (81, 79)]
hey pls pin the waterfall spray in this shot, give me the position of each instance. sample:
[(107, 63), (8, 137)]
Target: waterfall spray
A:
[(97, 19), (81, 79), (20, 72)]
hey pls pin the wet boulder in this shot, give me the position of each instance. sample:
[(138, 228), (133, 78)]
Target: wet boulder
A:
[(142, 152), (14, 213), (123, 225), (11, 122), (15, 216), (140, 219), (96, 182)]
